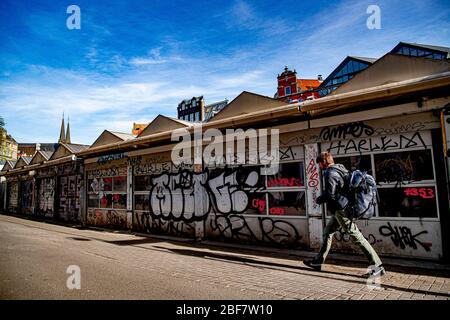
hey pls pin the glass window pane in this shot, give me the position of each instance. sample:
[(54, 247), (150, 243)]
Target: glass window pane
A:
[(142, 202), (287, 203), (257, 203), (93, 201), (408, 202), (93, 185), (106, 201), (362, 163), (413, 52), (345, 70), (106, 184), (120, 183), (119, 201), (350, 67), (142, 183), (404, 166), (289, 175)]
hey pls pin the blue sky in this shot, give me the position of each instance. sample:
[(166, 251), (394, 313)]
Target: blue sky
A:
[(132, 60)]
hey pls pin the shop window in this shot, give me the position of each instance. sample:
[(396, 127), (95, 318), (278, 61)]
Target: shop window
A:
[(289, 175), (362, 163), (408, 202), (106, 184), (287, 203), (142, 202), (120, 183), (93, 201), (257, 203), (93, 185), (119, 201), (106, 200), (404, 166), (142, 183)]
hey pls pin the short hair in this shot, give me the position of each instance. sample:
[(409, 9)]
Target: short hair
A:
[(325, 157)]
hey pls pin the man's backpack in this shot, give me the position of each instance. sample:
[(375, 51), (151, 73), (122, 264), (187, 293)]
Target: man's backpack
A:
[(363, 195)]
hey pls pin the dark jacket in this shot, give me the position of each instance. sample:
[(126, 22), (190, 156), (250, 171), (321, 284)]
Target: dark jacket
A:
[(335, 177)]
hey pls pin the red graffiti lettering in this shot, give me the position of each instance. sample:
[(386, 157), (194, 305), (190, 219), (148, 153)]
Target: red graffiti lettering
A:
[(424, 193), (259, 204), (313, 175), (277, 211), (284, 182)]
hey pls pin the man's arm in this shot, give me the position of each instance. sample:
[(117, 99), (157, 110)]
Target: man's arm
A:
[(331, 183)]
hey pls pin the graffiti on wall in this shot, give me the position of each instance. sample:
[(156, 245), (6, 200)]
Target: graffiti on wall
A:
[(344, 131), (172, 195), (13, 196), (46, 197), (107, 217), (144, 222), (383, 143), (26, 196), (401, 237), (341, 235), (267, 229), (313, 182)]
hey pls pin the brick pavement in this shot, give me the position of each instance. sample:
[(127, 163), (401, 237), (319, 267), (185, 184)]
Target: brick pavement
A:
[(277, 276)]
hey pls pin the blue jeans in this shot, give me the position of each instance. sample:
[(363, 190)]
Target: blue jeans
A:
[(340, 219)]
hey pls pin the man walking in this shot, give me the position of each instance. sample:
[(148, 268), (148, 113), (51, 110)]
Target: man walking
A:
[(334, 195)]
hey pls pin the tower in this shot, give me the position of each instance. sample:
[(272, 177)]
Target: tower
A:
[(62, 135), (68, 131)]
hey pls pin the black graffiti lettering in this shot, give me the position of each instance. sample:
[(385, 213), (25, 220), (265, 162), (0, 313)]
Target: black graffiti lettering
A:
[(403, 237), (236, 227), (354, 129), (287, 154), (384, 143), (411, 142), (341, 236)]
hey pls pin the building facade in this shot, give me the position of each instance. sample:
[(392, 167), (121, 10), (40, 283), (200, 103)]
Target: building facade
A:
[(192, 110), (398, 132), (291, 89)]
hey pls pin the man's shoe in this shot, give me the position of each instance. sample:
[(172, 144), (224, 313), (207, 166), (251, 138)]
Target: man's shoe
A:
[(375, 272), (313, 264)]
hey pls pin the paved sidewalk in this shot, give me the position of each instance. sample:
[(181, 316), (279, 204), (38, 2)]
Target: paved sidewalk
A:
[(248, 272)]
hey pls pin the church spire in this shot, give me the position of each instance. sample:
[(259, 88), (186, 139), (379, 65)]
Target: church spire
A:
[(68, 131), (62, 135)]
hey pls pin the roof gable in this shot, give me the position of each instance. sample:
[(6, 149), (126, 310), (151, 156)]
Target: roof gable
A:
[(9, 164), (361, 60), (40, 156), (393, 68), (23, 161), (162, 123), (107, 137), (60, 152), (245, 103)]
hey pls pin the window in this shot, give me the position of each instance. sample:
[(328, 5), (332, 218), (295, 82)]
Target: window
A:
[(287, 203), (284, 192), (408, 202), (287, 90), (350, 67), (107, 192), (406, 166), (406, 179)]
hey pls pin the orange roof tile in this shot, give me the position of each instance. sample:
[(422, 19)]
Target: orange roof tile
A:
[(308, 84)]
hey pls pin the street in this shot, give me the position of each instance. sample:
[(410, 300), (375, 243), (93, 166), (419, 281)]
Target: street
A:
[(35, 256)]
